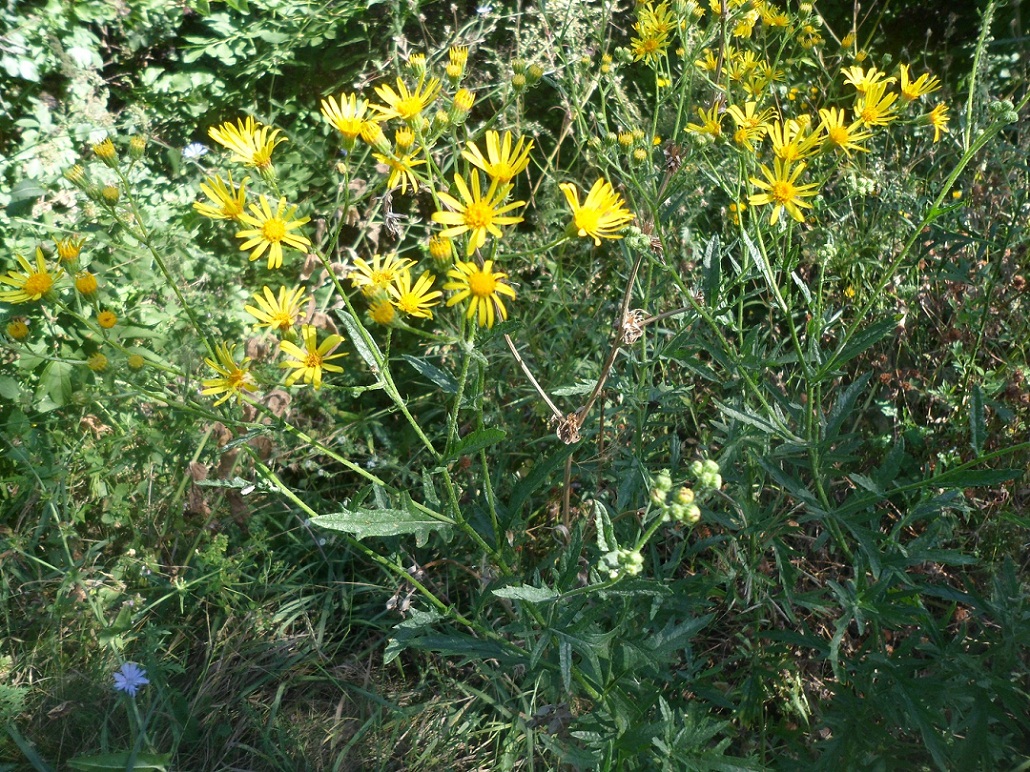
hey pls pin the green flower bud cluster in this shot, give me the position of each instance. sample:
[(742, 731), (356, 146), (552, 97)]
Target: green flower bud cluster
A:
[(621, 562), (679, 506), (707, 473)]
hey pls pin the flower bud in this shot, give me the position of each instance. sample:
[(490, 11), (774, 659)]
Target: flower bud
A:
[(85, 283), (105, 152), (137, 146), (97, 363), (110, 194), (18, 328)]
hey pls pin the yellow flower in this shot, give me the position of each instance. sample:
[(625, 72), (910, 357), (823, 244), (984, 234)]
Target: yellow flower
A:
[(136, 361), (874, 107), (382, 311), (32, 282), (404, 104), (97, 362), (85, 283), (751, 126), (107, 319), (229, 201), (839, 136), (249, 144), (602, 214), (863, 80), (710, 63), (309, 362), (402, 170), (782, 192), (912, 90), (270, 232), (938, 118), (18, 328), (459, 56), (502, 163), (463, 101), (377, 276), (415, 301), (711, 122), (483, 288), (790, 143), (417, 64), (105, 152), (68, 248), (277, 313), (649, 46), (347, 116), (233, 378), (476, 214)]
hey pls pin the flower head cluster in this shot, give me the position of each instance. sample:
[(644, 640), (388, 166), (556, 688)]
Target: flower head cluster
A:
[(653, 27), (250, 143)]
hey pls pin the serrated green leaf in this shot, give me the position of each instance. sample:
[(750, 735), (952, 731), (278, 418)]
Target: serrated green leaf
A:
[(474, 441), (362, 522)]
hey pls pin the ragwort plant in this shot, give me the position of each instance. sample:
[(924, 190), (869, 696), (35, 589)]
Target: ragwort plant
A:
[(715, 550)]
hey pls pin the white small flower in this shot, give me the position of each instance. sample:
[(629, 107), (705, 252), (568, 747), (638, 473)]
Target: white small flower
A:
[(194, 150)]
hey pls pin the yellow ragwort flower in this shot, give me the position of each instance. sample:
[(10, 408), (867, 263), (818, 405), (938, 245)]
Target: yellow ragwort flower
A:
[(376, 277), (250, 143), (402, 169), (97, 362), (501, 163), (483, 288), (938, 118), (234, 379), (85, 283), (228, 202), (271, 231), (875, 107), (751, 126), (782, 191), (107, 319), (476, 214), (839, 136), (32, 283), (415, 301), (348, 116), (18, 328), (602, 215), (790, 143), (309, 362), (863, 80), (404, 104), (69, 248), (277, 313), (913, 89), (711, 122), (382, 311)]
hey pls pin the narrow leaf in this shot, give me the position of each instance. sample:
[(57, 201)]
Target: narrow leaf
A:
[(443, 380), (367, 350), (977, 421), (859, 342), (526, 592), (712, 266), (474, 441), (363, 522)]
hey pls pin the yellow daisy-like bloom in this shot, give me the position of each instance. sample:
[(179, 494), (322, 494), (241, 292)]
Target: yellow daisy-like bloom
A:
[(249, 144), (107, 319), (18, 328), (476, 214), (277, 313), (649, 47), (710, 63), (229, 201), (913, 89), (309, 362), (501, 163), (874, 107), (782, 191), (863, 80), (32, 282), (271, 231), (790, 142), (483, 288), (839, 136), (382, 311), (602, 215), (751, 126), (415, 301), (402, 168), (85, 283), (938, 118), (69, 248), (711, 122), (377, 277), (404, 104), (347, 116), (234, 379)]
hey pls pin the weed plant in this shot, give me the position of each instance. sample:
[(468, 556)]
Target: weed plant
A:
[(565, 386)]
